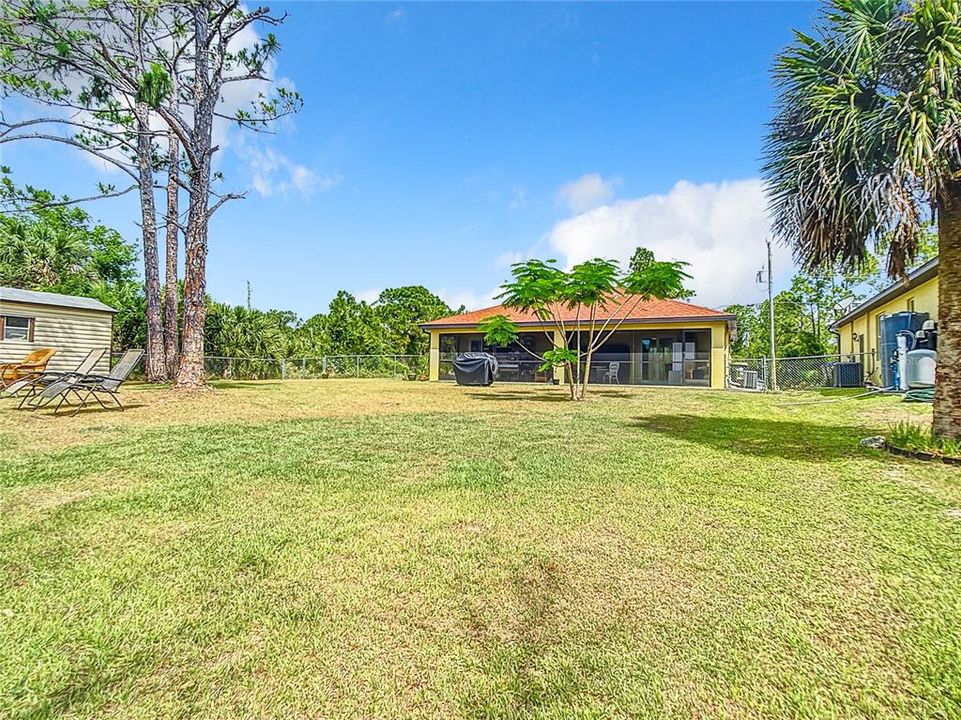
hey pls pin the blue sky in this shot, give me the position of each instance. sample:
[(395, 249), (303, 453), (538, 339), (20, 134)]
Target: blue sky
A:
[(439, 142)]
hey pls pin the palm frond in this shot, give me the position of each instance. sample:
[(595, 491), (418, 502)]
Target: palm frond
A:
[(866, 133)]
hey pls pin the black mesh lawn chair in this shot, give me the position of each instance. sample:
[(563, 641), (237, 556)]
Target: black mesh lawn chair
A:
[(85, 387), (31, 386)]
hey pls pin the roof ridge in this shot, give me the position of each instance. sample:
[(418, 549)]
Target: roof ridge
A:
[(672, 309)]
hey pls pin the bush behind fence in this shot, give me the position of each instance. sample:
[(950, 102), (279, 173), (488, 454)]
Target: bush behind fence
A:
[(306, 368)]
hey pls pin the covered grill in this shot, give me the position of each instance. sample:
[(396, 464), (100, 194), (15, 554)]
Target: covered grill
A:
[(475, 368)]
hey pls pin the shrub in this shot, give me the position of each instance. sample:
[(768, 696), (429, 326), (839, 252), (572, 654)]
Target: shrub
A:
[(918, 438)]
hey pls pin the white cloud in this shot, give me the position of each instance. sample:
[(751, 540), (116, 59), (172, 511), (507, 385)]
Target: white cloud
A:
[(368, 296), (587, 192), (468, 298), (395, 15), (509, 257), (273, 173), (719, 228)]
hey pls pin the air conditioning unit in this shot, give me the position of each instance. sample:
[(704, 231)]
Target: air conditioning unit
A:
[(749, 380)]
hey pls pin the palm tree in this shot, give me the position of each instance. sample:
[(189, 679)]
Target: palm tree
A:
[(40, 256), (866, 143)]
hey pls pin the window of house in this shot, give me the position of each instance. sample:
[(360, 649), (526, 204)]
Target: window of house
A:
[(16, 328)]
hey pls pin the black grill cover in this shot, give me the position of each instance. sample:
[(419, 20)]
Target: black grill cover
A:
[(475, 368)]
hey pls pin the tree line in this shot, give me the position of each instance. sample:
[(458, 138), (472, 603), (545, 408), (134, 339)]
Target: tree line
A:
[(49, 246)]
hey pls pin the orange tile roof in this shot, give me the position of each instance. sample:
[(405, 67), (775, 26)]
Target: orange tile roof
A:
[(636, 310)]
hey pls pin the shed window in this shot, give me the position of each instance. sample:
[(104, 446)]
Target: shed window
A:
[(16, 328)]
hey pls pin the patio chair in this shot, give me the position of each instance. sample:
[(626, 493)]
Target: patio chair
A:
[(31, 366), (85, 387), (611, 375), (32, 385)]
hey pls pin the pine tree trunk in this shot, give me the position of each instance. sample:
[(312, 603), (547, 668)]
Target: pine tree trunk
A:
[(947, 396), (171, 323), (155, 364), (191, 373)]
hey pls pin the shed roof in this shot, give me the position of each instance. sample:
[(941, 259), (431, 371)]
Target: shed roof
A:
[(9, 294), (915, 278), (622, 305)]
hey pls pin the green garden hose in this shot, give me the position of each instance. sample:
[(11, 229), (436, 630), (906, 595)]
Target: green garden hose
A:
[(925, 395)]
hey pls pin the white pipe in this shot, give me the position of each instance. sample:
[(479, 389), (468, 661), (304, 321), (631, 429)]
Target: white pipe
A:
[(902, 362)]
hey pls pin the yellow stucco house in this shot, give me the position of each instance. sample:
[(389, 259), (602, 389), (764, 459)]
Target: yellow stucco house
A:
[(859, 331), (659, 342)]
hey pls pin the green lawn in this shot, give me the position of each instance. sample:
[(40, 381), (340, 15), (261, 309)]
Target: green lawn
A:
[(392, 549)]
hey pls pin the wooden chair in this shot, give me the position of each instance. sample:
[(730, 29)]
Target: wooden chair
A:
[(32, 365)]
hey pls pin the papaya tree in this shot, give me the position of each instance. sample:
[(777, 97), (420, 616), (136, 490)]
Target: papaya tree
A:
[(598, 293)]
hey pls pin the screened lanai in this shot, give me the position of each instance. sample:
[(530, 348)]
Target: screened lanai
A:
[(629, 357)]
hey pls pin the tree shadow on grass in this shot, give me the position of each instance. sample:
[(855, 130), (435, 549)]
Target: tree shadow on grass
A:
[(91, 408), (787, 439), (242, 384), (554, 394)]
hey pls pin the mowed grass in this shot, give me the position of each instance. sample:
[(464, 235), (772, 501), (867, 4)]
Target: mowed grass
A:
[(369, 548)]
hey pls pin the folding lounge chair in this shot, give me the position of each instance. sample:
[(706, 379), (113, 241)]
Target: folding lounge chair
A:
[(86, 387), (31, 366), (30, 386)]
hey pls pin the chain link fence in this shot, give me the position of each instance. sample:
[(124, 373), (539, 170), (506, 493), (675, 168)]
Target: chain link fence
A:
[(800, 373), (793, 373), (410, 367)]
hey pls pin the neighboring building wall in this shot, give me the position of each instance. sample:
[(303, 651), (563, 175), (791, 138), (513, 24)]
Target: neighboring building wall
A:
[(71, 331), (720, 345), (923, 298)]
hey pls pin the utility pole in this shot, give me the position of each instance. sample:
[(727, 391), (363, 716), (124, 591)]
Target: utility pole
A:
[(770, 305), (248, 295)]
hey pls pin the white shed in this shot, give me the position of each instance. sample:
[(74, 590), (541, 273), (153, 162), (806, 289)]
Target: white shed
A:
[(73, 326)]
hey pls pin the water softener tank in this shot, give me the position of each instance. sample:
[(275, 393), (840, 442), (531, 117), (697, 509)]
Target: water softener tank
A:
[(919, 368), (891, 326)]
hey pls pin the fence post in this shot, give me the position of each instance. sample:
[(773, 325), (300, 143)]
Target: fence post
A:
[(357, 372), (303, 367), (283, 369), (324, 366)]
